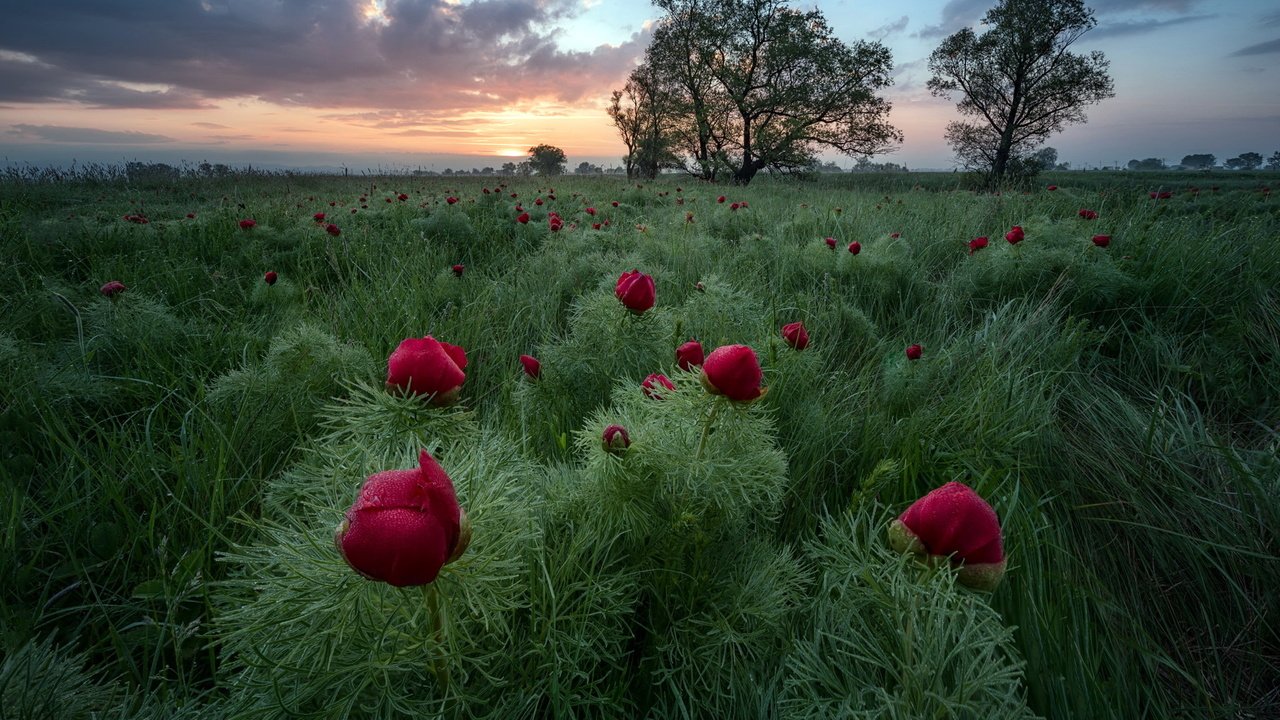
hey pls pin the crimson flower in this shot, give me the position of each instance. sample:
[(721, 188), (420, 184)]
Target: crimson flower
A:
[(404, 525), (402, 197), (831, 242), (614, 203), (1052, 188), (914, 351), (532, 367), (112, 288), (426, 366), (270, 277), (954, 522), (333, 230), (689, 355), (616, 440), (318, 217), (655, 382), (451, 200), (636, 291), (734, 206), (977, 244), (855, 247), (1088, 214), (1102, 240), (796, 335), (733, 371), (895, 235), (523, 218), (457, 269), (248, 224), (1015, 235), (720, 199), (591, 211)]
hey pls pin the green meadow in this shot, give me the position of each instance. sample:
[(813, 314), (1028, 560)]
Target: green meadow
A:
[(174, 458)]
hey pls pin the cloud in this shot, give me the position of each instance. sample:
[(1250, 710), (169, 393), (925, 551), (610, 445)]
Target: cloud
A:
[(211, 125), (1138, 27), (62, 134), (1265, 48), (1110, 6), (436, 54), (956, 14), (892, 28), (1271, 20)]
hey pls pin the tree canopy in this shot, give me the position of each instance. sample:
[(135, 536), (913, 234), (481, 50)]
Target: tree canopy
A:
[(546, 160), (1018, 81), (732, 87)]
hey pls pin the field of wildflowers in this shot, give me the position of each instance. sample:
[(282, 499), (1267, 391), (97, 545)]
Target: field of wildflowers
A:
[(865, 446)]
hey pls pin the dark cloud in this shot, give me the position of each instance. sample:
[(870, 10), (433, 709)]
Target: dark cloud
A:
[(1265, 48), (316, 53), (956, 14), (1271, 20), (892, 28), (1138, 27), (58, 133)]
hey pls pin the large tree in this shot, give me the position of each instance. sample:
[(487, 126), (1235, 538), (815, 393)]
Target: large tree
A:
[(546, 160), (641, 112), (754, 84), (1018, 82)]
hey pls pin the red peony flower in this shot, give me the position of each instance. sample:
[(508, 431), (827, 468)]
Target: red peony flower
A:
[(402, 197), (1052, 188), (636, 291), (855, 247), (977, 244), (318, 217), (248, 224), (191, 216), (333, 230), (1015, 235), (830, 241), (451, 200), (689, 355), (270, 277), (591, 211), (734, 206), (953, 521), (795, 335), (720, 199), (523, 218), (595, 226), (426, 366), (895, 235), (733, 371), (616, 440), (654, 382), (538, 201), (458, 269), (614, 203), (1087, 214), (532, 367), (1102, 240), (914, 351), (112, 288), (404, 525)]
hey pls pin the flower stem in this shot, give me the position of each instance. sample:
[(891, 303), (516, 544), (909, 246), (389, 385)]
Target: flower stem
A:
[(706, 426), (438, 666)]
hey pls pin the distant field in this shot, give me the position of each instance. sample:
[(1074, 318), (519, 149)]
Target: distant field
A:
[(175, 457)]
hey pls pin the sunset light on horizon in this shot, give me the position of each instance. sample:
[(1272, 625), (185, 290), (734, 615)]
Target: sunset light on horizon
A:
[(458, 83)]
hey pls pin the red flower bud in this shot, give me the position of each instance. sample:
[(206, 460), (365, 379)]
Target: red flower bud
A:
[(1052, 188), (333, 230), (318, 217), (248, 224), (614, 203), (591, 211), (895, 235), (855, 247), (1087, 214), (426, 366), (689, 355), (458, 269), (523, 218), (655, 382), (402, 197), (1015, 235), (616, 440), (795, 335), (112, 288), (636, 291), (1102, 240), (532, 367), (451, 200), (733, 371), (831, 242), (953, 521), (977, 244), (914, 351), (720, 199), (404, 525), (270, 277)]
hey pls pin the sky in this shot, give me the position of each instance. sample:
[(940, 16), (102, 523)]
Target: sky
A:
[(435, 84)]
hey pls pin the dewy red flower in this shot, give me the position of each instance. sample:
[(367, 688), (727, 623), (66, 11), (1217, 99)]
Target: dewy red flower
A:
[(689, 355), (733, 371), (451, 200), (112, 288), (426, 366), (1015, 235), (977, 244), (270, 277), (532, 367), (796, 335), (655, 382), (953, 521), (636, 291), (458, 269), (616, 440), (720, 199), (523, 218), (830, 241), (404, 526), (914, 351), (318, 217), (248, 224), (333, 230), (855, 247), (1102, 240)]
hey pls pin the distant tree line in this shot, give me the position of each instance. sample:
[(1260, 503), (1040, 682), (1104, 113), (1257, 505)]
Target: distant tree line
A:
[(1205, 161)]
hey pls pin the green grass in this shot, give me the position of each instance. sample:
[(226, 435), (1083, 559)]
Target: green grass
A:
[(174, 460)]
